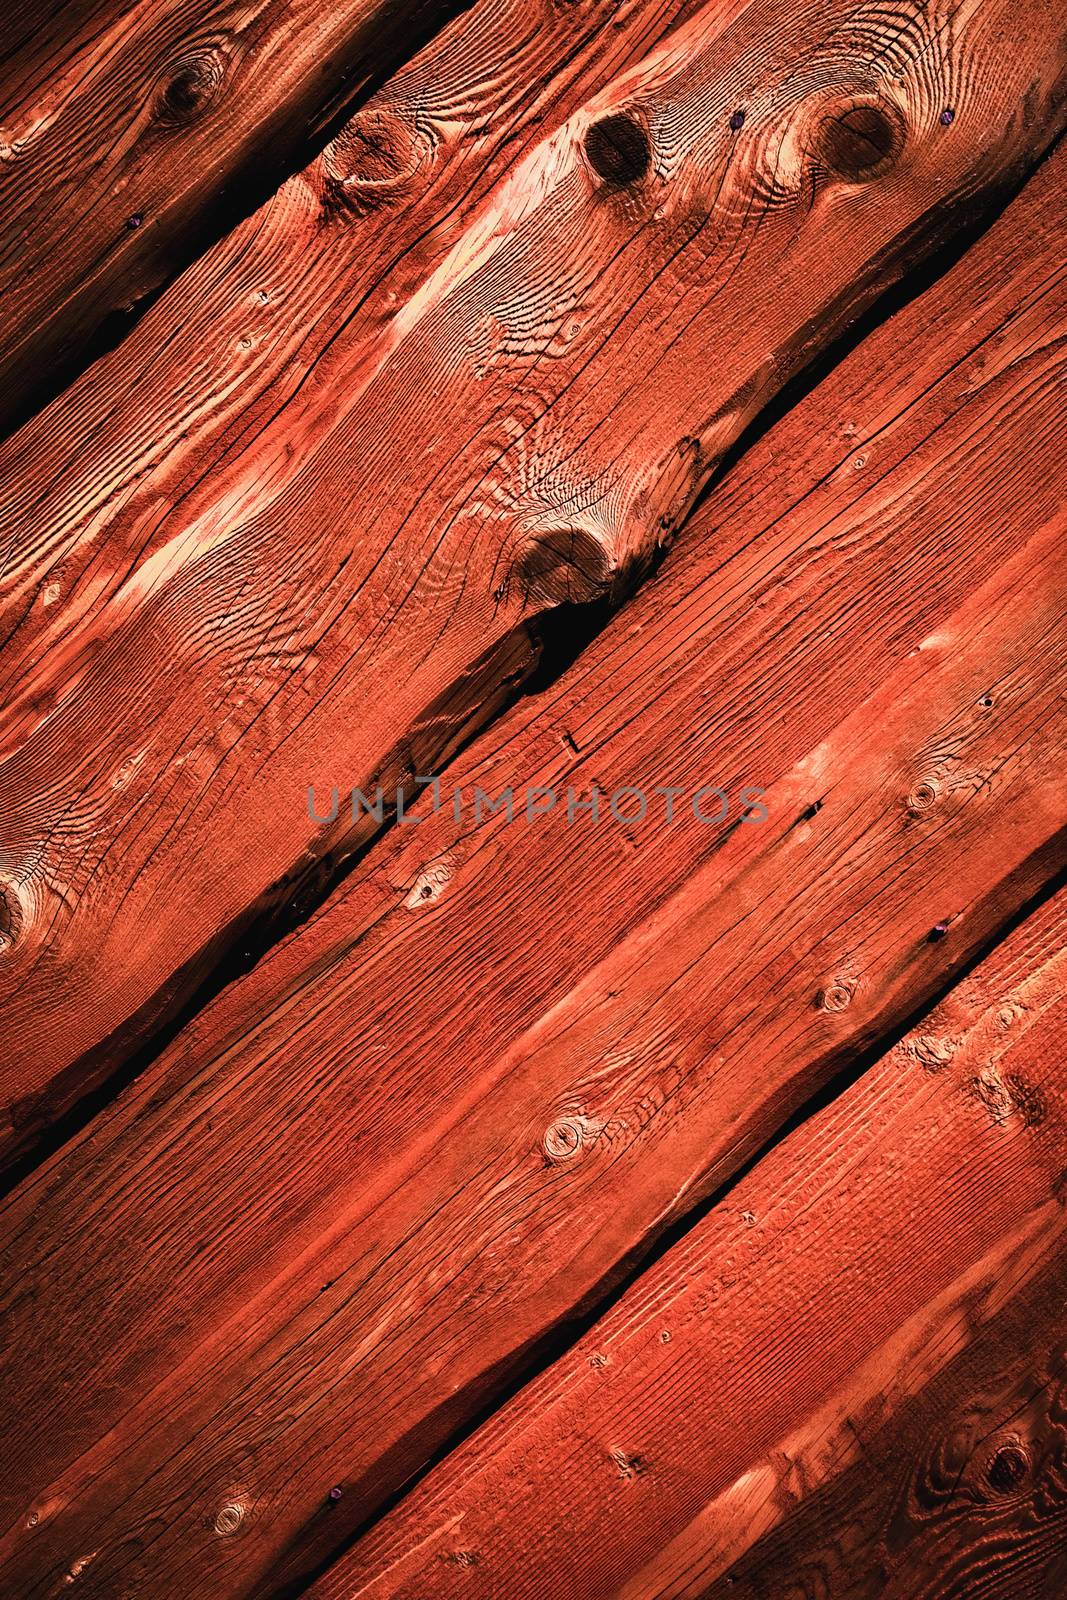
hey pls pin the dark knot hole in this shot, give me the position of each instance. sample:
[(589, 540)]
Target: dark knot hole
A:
[(1008, 1468), (191, 87), (618, 148), (861, 141)]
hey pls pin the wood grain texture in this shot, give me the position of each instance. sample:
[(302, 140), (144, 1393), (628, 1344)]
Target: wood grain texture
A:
[(355, 585), (850, 1378), (247, 337), (339, 1211), (130, 133)]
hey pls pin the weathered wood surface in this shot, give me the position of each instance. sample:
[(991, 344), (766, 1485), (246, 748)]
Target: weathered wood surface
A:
[(337, 249), (354, 586), (849, 1379), (334, 1216), (129, 133)]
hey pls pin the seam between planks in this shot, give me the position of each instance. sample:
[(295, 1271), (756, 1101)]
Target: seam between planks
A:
[(562, 636)]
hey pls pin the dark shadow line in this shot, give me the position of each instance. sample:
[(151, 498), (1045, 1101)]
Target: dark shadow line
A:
[(253, 182), (566, 1334), (561, 634)]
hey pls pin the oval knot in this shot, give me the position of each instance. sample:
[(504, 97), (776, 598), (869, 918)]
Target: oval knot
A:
[(837, 995), (564, 566), (563, 1139), (859, 142), (371, 162), (192, 84), (617, 148)]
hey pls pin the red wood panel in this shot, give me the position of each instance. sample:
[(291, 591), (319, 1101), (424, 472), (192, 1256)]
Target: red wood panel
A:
[(354, 587), (130, 133), (345, 1205), (249, 335), (849, 1379)]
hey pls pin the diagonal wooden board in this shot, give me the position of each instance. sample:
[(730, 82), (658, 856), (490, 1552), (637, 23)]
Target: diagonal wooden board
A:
[(357, 589), (128, 134), (328, 1223), (848, 1379), (341, 246), (248, 336)]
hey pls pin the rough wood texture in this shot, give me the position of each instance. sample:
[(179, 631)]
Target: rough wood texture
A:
[(850, 1378), (355, 585), (129, 133), (345, 1204), (329, 260)]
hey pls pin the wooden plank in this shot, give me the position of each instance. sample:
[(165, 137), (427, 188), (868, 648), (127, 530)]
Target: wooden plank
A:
[(131, 135), (73, 521), (332, 1219), (331, 598), (848, 1379)]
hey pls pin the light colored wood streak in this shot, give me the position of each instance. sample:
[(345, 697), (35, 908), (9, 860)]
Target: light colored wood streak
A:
[(356, 590), (126, 129), (848, 1380), (321, 1229)]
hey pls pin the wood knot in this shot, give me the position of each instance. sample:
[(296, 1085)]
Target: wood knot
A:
[(629, 1466), (837, 995), (923, 797), (370, 163), (1008, 1096), (933, 1054), (566, 566), (1027, 1099), (563, 1139), (78, 1566), (11, 917), (229, 1519), (192, 84), (430, 884), (618, 149), (1008, 1469), (859, 142)]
